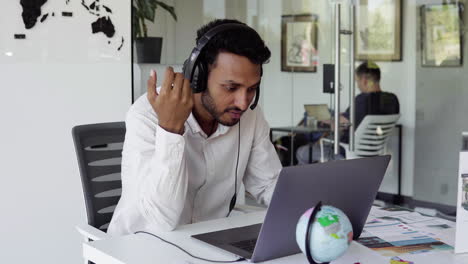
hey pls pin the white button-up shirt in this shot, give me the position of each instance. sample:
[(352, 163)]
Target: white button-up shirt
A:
[(170, 179)]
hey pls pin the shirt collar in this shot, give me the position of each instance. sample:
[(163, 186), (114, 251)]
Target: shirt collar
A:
[(196, 128)]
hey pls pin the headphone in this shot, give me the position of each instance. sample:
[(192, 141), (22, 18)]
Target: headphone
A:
[(196, 70)]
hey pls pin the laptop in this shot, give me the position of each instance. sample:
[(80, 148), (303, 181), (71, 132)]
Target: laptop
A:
[(319, 111), (350, 185)]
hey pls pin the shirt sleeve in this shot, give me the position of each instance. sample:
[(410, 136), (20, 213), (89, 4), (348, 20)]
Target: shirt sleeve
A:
[(264, 166), (346, 114), (360, 109), (153, 164)]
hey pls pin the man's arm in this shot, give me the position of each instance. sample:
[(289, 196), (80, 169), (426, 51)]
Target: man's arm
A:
[(153, 165), (360, 110), (264, 166), (154, 151), (344, 120)]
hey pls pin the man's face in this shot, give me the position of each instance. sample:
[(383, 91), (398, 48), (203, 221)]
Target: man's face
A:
[(232, 84), (362, 83)]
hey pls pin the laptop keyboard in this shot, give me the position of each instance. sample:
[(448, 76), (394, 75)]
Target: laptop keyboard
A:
[(247, 245)]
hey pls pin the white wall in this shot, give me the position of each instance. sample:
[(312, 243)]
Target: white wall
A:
[(59, 77), (441, 109)]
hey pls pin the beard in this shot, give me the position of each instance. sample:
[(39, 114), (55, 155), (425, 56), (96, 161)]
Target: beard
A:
[(210, 106)]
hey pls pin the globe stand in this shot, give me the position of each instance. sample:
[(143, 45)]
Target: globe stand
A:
[(317, 208)]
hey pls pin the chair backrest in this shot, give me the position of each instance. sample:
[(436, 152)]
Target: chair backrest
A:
[(372, 134), (99, 152)]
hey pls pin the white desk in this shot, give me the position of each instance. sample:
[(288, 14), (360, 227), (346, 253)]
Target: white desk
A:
[(145, 249)]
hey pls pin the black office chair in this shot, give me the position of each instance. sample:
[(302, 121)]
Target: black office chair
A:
[(99, 152)]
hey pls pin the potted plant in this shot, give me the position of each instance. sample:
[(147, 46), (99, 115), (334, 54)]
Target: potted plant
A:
[(148, 48)]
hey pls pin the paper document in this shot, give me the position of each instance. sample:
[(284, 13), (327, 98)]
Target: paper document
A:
[(461, 238), (397, 231)]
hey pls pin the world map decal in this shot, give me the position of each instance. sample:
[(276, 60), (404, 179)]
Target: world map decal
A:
[(32, 14)]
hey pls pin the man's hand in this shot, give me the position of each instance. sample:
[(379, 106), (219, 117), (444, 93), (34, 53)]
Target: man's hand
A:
[(174, 102), (343, 121)]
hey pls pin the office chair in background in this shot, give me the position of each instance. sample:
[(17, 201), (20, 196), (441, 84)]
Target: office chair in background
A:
[(370, 138), (99, 151)]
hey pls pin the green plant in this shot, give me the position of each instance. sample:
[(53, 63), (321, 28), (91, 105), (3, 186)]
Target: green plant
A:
[(146, 10)]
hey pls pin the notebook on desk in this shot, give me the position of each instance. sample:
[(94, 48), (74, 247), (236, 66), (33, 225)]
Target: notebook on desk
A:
[(319, 111), (350, 185)]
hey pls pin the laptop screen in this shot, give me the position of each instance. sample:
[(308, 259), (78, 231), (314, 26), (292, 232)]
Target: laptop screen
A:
[(319, 111)]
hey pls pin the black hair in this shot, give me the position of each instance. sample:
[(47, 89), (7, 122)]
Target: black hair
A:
[(369, 70), (239, 41)]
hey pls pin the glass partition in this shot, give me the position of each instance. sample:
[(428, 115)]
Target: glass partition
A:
[(299, 33), (417, 45)]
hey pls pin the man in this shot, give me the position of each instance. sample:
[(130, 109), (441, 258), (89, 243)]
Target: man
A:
[(186, 154), (371, 101)]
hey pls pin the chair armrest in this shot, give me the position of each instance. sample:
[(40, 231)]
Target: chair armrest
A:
[(322, 156), (91, 233), (344, 145)]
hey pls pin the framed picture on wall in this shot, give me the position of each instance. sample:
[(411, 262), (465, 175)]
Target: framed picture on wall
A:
[(441, 35), (378, 30), (299, 43)]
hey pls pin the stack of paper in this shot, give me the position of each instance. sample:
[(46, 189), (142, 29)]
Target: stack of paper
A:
[(393, 231)]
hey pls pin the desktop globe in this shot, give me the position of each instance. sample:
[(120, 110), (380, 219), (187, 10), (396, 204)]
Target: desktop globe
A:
[(323, 233)]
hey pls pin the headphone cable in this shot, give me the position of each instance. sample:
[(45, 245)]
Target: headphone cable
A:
[(234, 198), (188, 253), (237, 161)]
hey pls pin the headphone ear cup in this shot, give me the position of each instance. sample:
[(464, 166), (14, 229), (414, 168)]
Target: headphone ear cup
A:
[(201, 77), (194, 80), (184, 68)]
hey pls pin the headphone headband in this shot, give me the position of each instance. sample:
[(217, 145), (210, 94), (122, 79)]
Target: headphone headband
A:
[(197, 72), (189, 65)]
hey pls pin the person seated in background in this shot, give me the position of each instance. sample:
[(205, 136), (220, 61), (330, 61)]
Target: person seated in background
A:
[(371, 101)]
